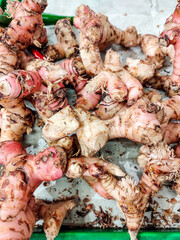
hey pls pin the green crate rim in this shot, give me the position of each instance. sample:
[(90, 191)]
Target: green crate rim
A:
[(107, 234)]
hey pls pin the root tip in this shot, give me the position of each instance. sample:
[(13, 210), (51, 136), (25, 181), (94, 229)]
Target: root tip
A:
[(133, 234)]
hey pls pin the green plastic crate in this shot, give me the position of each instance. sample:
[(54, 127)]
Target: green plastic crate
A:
[(99, 234)]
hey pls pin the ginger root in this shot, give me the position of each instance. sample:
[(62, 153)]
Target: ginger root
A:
[(170, 35), (118, 81), (52, 104), (82, 167), (92, 134), (49, 72), (49, 96), (66, 46), (144, 70), (107, 108), (97, 33), (138, 123), (25, 29), (22, 174), (170, 111), (16, 119), (53, 215), (159, 164), (78, 78), (60, 124), (176, 185), (27, 26)]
